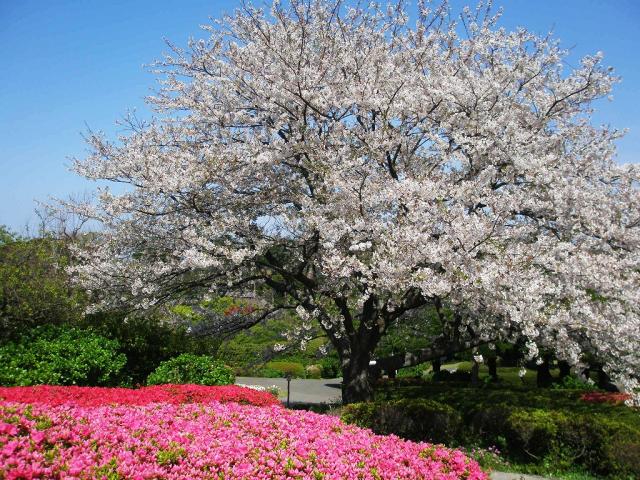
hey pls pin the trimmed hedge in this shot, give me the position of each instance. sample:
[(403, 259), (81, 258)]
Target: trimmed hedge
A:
[(603, 445), (534, 427), (282, 369), (194, 369), (411, 419)]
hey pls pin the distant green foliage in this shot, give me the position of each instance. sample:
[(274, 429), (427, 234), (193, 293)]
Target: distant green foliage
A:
[(402, 337), (451, 376), (60, 356), (34, 287), (6, 236), (313, 371), (189, 368), (416, 371), (248, 349), (331, 366), (296, 370), (147, 341), (220, 304)]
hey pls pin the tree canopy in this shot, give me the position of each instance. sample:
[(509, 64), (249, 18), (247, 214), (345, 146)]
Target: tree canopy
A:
[(361, 163)]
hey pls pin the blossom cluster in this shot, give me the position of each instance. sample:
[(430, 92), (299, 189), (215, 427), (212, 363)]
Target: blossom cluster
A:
[(170, 394), (215, 440)]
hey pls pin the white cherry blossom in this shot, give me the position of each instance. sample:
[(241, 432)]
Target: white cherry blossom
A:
[(360, 164)]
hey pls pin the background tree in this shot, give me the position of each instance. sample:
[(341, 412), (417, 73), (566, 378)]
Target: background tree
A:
[(34, 287), (360, 166)]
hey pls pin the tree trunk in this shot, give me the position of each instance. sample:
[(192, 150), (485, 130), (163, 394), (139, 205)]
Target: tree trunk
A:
[(544, 378), (604, 381), (436, 365), (565, 369), (475, 371), (492, 363), (356, 383), (440, 348)]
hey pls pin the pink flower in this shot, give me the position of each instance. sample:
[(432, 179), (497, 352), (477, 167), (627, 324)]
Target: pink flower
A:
[(197, 440)]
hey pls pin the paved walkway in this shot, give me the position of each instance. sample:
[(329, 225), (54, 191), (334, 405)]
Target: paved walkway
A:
[(515, 476), (302, 390)]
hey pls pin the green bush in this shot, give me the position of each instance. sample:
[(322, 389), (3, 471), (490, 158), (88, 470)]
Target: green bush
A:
[(416, 371), (189, 368), (147, 341), (295, 369), (539, 428), (598, 442), (451, 376), (56, 355), (268, 373), (313, 371), (603, 445), (413, 419), (574, 383), (621, 452), (533, 433), (34, 286), (330, 367)]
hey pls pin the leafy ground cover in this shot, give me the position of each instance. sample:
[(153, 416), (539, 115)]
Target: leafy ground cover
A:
[(151, 434)]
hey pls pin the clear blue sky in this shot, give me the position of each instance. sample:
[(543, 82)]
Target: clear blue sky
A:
[(70, 63)]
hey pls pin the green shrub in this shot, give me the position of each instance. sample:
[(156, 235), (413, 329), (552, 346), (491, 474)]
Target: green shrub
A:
[(451, 376), (313, 371), (56, 355), (603, 445), (269, 373), (147, 341), (416, 371), (189, 368), (621, 452), (574, 383), (330, 367), (533, 433), (295, 369), (541, 429), (413, 419), (489, 425)]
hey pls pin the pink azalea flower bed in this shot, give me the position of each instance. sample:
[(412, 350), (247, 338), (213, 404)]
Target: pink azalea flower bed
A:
[(209, 439), (97, 396), (605, 397)]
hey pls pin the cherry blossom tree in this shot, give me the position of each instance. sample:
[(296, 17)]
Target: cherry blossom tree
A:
[(356, 163)]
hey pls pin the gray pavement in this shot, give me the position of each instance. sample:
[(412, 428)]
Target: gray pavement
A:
[(302, 390), (515, 476)]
